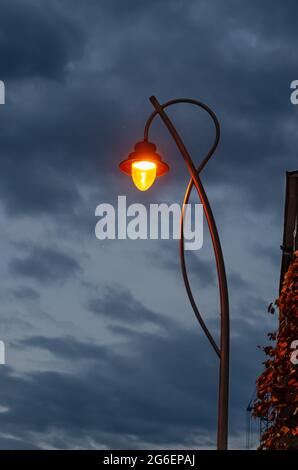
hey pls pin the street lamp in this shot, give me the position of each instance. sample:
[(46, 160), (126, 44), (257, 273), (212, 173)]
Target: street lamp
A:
[(144, 165)]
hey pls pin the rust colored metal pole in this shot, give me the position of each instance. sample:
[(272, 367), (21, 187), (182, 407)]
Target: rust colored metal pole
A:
[(224, 352)]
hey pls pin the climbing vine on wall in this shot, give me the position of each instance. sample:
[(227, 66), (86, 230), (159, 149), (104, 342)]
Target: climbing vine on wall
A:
[(277, 386)]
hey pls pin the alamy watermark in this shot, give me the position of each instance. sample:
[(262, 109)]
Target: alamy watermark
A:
[(294, 93), (2, 352), (2, 101), (2, 92), (294, 354), (161, 221)]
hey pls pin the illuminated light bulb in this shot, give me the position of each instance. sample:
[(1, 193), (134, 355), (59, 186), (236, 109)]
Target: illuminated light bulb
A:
[(143, 174)]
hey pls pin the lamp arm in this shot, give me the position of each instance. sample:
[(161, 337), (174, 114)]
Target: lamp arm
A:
[(222, 280), (196, 103), (185, 201)]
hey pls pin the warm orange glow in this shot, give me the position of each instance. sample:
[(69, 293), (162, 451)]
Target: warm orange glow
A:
[(143, 174)]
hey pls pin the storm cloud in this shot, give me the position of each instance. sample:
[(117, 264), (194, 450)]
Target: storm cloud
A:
[(103, 350)]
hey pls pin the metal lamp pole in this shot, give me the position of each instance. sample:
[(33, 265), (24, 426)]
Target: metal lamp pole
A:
[(145, 158), (224, 350)]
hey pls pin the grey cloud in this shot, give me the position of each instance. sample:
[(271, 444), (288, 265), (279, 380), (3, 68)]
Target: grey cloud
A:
[(35, 43), (271, 253), (162, 390), (45, 265), (237, 282), (119, 305), (168, 258), (25, 293), (39, 198), (66, 347), (76, 127), (8, 443)]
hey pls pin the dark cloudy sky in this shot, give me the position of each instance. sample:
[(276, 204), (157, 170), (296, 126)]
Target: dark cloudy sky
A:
[(103, 350)]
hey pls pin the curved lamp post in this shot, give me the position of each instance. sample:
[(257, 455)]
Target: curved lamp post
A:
[(144, 165)]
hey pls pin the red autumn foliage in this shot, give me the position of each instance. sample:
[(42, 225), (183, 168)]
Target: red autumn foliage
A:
[(277, 386)]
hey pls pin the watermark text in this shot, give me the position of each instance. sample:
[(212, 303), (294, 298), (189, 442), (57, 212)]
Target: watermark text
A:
[(2, 352), (2, 92), (161, 221)]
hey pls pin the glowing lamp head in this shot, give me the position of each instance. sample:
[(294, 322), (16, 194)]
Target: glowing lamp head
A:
[(143, 174), (144, 165)]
